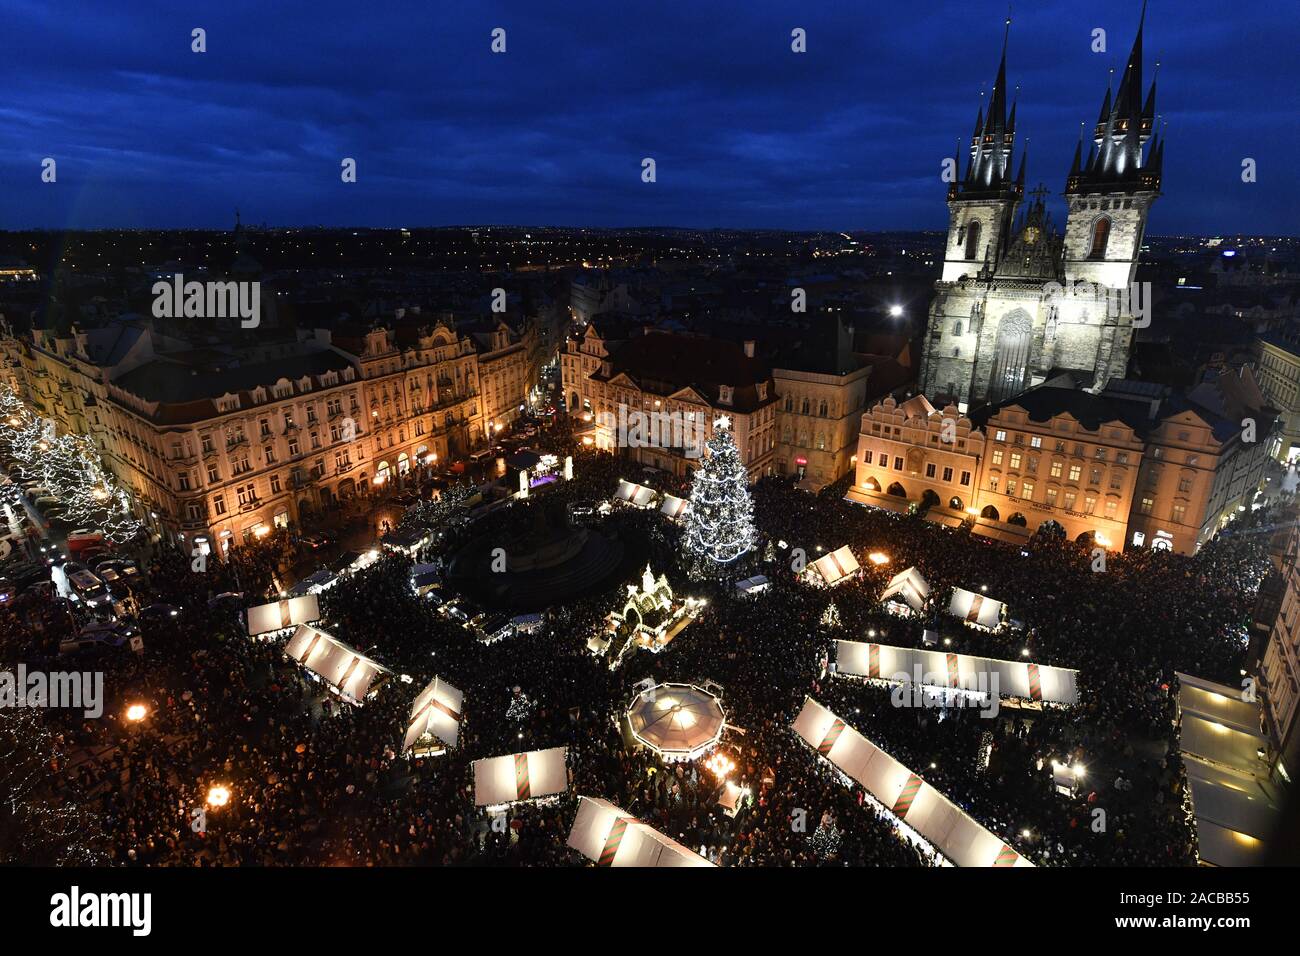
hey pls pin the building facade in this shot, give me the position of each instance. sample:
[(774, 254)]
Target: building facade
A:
[(1277, 368), (1279, 673), (218, 444)]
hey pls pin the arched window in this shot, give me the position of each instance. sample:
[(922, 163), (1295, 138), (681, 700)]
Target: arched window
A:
[(956, 328), (822, 410), (1100, 236), (973, 241), (805, 406)]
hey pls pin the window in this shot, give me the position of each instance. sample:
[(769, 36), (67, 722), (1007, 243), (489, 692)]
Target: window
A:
[(1111, 507), (275, 484), (293, 447), (1051, 497), (929, 469), (1180, 513), (870, 455), (214, 474), (1032, 465), (207, 444), (1122, 458), (1101, 454), (1185, 484), (219, 504), (1146, 505), (1069, 500), (993, 483), (1015, 459), (183, 481), (898, 463), (1089, 504), (1027, 490), (973, 240), (193, 511), (965, 478), (1011, 486), (1095, 477), (269, 453), (1100, 237), (241, 465), (1075, 472), (1057, 468), (1000, 436), (265, 426), (315, 440), (997, 456), (1035, 442), (1116, 480)]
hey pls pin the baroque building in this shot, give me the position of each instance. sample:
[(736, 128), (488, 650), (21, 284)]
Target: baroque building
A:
[(1017, 301)]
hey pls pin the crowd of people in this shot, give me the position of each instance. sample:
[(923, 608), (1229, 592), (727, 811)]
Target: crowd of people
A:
[(315, 780)]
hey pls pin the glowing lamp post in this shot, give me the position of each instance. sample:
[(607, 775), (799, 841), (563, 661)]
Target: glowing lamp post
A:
[(136, 713), (218, 796)]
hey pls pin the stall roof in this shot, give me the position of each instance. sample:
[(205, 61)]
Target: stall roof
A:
[(334, 662), (279, 615), (907, 586), (437, 712), (837, 566), (674, 507), (1021, 679), (611, 837), (975, 608), (637, 495), (903, 794), (522, 776)]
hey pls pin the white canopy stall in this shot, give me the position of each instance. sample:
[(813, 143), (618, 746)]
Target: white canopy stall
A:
[(906, 593), (975, 609), (1039, 683), (638, 496), (499, 781), (611, 837), (352, 675), (435, 720), (280, 615), (838, 566), (674, 507), (902, 794)]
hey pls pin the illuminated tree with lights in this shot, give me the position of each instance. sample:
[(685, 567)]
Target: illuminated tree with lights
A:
[(69, 465), (719, 528)]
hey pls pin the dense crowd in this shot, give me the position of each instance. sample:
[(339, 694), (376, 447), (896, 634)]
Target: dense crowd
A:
[(314, 780)]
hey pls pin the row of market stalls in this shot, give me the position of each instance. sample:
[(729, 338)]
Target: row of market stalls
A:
[(1235, 803), (908, 593), (1019, 680), (345, 670), (920, 811)]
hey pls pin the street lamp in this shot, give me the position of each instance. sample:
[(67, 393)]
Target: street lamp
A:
[(895, 310), (136, 713)]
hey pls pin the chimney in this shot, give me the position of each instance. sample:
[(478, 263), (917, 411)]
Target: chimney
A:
[(749, 348)]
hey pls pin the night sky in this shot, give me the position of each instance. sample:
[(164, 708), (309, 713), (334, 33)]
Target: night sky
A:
[(745, 133)]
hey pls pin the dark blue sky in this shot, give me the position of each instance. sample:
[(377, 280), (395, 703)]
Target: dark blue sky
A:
[(746, 133)]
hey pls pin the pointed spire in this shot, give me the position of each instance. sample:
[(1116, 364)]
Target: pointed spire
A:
[(1020, 176), (1105, 104)]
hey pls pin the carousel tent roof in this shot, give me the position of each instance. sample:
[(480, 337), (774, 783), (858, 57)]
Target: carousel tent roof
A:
[(939, 821), (1234, 802), (437, 711), (1037, 682), (674, 507), (611, 837), (676, 720), (638, 495), (907, 586), (525, 776), (335, 662), (836, 566), (975, 608), (281, 614)]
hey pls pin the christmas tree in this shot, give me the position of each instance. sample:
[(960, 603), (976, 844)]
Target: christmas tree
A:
[(720, 522)]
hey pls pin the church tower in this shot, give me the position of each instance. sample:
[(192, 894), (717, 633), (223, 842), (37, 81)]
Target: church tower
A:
[(983, 204), (1109, 195)]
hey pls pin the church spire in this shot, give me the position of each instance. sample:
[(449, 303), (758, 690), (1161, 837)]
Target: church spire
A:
[(989, 172)]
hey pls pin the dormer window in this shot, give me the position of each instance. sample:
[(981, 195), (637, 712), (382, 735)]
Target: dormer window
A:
[(762, 391), (725, 394)]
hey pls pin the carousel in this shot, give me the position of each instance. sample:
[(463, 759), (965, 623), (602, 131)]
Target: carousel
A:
[(677, 721)]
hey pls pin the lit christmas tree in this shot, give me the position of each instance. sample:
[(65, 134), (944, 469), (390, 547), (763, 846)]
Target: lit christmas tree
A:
[(831, 619), (720, 522)]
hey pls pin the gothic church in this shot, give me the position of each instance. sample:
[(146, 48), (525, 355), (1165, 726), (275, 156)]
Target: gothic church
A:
[(1017, 301)]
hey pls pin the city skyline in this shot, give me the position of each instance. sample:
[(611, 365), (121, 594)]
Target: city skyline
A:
[(746, 133)]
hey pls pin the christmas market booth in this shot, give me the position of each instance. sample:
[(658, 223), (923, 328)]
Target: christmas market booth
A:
[(922, 814), (609, 836), (347, 672), (266, 620), (906, 593), (533, 775), (834, 568), (677, 721), (674, 508), (637, 496), (976, 676), (435, 720), (976, 609)]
